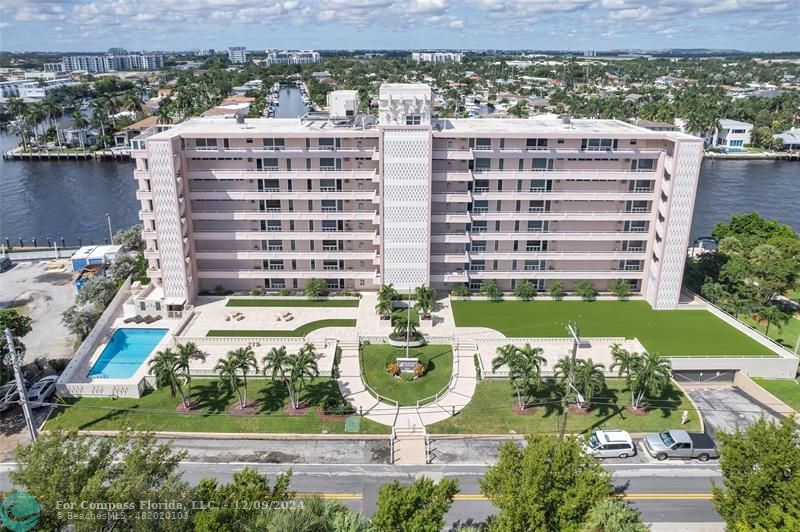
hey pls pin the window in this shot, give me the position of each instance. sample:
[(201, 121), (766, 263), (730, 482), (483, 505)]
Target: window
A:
[(326, 144), (330, 265), (538, 226), (276, 284), (541, 185), (536, 245), (536, 144), (268, 185), (330, 245), (273, 245), (637, 206), (273, 264), (534, 265), (269, 205), (483, 165), (330, 164), (275, 144), (643, 165), (330, 225), (210, 144), (269, 164), (327, 185), (474, 285), (483, 144), (481, 185), (639, 226), (632, 245), (334, 284), (273, 225), (598, 144), (478, 246), (480, 206), (413, 120), (477, 266), (479, 227), (541, 165), (630, 265), (329, 205), (538, 206), (640, 185)]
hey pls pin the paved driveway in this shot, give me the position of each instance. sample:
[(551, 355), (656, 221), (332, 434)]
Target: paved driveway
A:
[(724, 408)]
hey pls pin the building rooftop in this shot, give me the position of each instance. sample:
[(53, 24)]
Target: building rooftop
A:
[(725, 123)]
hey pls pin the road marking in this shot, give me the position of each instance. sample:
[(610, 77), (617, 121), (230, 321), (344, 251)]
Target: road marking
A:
[(332, 496), (667, 496)]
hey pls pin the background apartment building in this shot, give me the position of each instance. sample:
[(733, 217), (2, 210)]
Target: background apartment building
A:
[(437, 57), (271, 203), (237, 54), (109, 63), (293, 57)]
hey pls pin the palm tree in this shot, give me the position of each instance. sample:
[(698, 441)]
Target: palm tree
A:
[(164, 112), (588, 379), (524, 367), (227, 369), (131, 102), (245, 362), (650, 374), (79, 122), (164, 365), (386, 294), (274, 363), (403, 325), (424, 296), (15, 107), (34, 115), (186, 353), (315, 288), (299, 368)]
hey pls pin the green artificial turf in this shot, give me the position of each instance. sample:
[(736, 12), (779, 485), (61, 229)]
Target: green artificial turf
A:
[(785, 335), (299, 332), (291, 303), (666, 332), (786, 390), (490, 412), (155, 411), (375, 358)]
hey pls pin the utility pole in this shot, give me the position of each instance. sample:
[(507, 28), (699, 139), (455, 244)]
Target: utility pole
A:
[(408, 321), (572, 329), (110, 233), (23, 392)]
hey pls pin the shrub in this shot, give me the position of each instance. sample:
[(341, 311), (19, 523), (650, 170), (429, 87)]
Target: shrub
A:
[(393, 369), (255, 292), (492, 290), (345, 292), (219, 290), (285, 292), (337, 406), (621, 289), (407, 376), (557, 290), (525, 290), (586, 290), (420, 370), (460, 290)]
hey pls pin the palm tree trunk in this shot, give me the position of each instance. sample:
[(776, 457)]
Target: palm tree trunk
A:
[(244, 377), (519, 398), (183, 397)]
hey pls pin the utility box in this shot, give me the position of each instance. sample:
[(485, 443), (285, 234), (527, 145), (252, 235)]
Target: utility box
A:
[(342, 104)]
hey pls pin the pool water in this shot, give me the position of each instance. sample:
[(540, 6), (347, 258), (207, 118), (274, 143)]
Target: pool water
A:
[(125, 352)]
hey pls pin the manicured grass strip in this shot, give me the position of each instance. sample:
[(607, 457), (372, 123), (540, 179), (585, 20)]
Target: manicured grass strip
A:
[(786, 390), (292, 303), (490, 412), (156, 411), (666, 332), (376, 357), (299, 332), (786, 335)]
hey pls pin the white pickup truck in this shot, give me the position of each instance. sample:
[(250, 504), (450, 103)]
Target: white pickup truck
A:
[(680, 444)]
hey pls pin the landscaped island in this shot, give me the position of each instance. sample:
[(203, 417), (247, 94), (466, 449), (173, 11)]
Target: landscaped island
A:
[(666, 332), (437, 359), (298, 332)]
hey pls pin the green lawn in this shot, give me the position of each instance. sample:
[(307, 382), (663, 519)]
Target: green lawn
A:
[(290, 303), (376, 357), (404, 312), (667, 332), (786, 336), (490, 412), (793, 295), (299, 332), (156, 411), (786, 390)]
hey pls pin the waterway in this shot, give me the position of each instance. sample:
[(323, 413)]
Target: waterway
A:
[(70, 199)]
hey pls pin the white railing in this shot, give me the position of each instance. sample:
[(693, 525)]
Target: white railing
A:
[(447, 387)]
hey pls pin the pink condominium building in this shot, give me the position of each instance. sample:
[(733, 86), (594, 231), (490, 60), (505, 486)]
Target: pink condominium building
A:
[(411, 200)]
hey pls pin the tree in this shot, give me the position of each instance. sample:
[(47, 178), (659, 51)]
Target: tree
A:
[(228, 371), (315, 288), (403, 325), (761, 477), (520, 110), (130, 238), (274, 363), (645, 374), (386, 294), (80, 320), (164, 366), (316, 514), (550, 484), (300, 368), (525, 290), (424, 296), (586, 290), (418, 507), (19, 325), (620, 288), (557, 290), (491, 290), (772, 314), (612, 515), (524, 369), (62, 469), (222, 513), (588, 379), (122, 267), (460, 290), (186, 353), (98, 291), (245, 363)]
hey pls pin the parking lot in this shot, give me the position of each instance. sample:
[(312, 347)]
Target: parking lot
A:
[(726, 407), (43, 296)]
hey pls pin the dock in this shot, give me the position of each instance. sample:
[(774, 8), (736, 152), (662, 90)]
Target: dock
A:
[(57, 155), (766, 156)]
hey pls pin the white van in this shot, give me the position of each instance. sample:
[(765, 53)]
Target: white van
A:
[(610, 444)]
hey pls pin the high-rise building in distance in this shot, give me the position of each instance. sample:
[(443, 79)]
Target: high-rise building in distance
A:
[(237, 54)]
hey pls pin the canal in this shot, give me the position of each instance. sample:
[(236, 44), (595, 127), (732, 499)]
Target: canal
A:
[(45, 199)]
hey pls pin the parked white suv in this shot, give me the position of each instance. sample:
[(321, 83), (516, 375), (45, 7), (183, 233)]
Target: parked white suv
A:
[(610, 444)]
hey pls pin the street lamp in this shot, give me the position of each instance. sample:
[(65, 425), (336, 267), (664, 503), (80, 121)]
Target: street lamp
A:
[(110, 233)]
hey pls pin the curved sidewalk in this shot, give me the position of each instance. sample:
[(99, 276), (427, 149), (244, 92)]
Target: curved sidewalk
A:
[(459, 393)]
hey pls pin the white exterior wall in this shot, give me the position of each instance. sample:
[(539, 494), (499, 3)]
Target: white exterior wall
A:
[(664, 291)]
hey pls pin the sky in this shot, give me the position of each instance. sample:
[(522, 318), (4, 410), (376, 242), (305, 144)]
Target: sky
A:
[(96, 25)]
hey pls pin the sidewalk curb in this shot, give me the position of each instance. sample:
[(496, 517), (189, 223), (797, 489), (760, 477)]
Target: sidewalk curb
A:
[(239, 435)]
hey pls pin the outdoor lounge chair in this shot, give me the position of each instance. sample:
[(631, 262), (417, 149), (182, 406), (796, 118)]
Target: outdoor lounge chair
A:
[(149, 319), (138, 319), (129, 320)]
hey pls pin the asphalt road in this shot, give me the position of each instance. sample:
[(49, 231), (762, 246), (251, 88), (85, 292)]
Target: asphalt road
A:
[(663, 493)]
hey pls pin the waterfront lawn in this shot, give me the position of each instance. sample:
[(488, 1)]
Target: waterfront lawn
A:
[(490, 412), (375, 358), (155, 411), (786, 336), (666, 332), (786, 390), (293, 303), (299, 332)]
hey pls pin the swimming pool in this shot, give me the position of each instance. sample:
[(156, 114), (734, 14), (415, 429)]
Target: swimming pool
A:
[(125, 352)]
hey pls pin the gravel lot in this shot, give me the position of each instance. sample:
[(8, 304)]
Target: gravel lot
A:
[(44, 296)]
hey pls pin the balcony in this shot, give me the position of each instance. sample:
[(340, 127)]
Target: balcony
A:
[(453, 154), (457, 258), (555, 255), (295, 195), (520, 273), (282, 235), (280, 174), (559, 215), (257, 273), (452, 197), (556, 235), (144, 194), (281, 214), (562, 174), (578, 195)]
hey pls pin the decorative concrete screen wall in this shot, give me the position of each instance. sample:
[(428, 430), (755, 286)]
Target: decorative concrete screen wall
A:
[(406, 203)]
